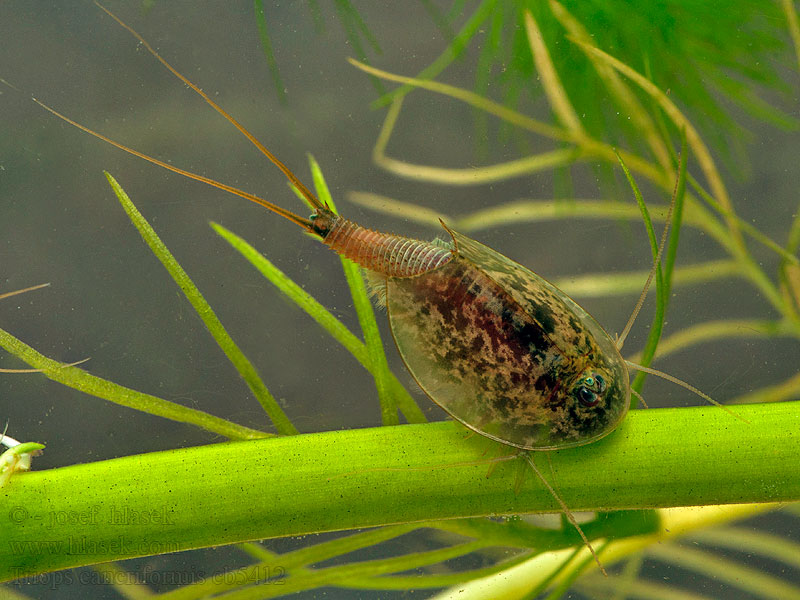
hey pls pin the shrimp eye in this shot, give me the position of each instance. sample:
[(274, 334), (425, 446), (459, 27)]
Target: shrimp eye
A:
[(590, 390), (587, 397)]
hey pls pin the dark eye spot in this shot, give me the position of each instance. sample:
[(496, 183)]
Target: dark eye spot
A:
[(587, 397)]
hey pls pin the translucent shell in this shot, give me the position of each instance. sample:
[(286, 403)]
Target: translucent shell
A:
[(506, 352)]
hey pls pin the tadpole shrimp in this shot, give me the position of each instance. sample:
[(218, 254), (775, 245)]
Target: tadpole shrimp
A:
[(499, 348)]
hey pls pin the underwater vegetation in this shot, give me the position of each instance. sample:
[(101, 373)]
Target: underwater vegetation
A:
[(551, 94)]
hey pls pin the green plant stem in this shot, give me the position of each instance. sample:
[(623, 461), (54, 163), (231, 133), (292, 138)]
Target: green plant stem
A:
[(238, 491)]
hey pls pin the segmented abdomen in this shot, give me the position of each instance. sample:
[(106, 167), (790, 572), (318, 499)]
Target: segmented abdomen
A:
[(384, 253)]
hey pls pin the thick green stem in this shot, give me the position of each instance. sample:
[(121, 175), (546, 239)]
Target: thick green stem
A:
[(232, 492)]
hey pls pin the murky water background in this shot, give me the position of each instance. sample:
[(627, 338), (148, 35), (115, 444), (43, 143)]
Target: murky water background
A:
[(112, 301)]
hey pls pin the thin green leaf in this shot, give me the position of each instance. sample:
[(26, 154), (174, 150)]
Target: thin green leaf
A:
[(588, 146), (571, 575), (555, 92), (316, 16), (747, 579), (623, 284), (352, 23), (616, 86), (437, 580), (780, 392), (331, 576), (786, 254), (95, 386), (399, 209), (440, 19), (751, 542), (710, 331), (294, 561), (793, 25), (322, 316), (637, 589), (366, 315), (671, 251), (355, 23), (266, 46), (470, 28), (694, 140), (206, 313), (658, 319)]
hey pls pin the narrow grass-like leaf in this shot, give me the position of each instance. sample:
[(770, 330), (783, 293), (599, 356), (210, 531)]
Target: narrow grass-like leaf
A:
[(780, 392), (751, 542), (442, 22), (471, 98), (11, 594), (294, 561), (206, 313), (482, 175), (671, 251), (23, 290), (81, 380), (627, 100), (407, 211), (743, 94), (624, 284), (516, 582), (333, 576), (470, 28), (529, 211), (354, 27), (608, 587), (469, 176), (658, 319), (354, 24), (266, 47), (588, 146), (124, 583), (490, 50), (697, 145), (537, 211), (710, 331), (321, 315), (793, 25), (539, 587), (556, 94), (366, 315), (316, 16), (747, 579), (436, 580), (570, 575)]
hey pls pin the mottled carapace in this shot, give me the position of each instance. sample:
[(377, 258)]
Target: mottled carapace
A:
[(499, 348), (502, 350)]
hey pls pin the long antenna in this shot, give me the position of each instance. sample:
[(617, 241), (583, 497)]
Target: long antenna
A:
[(303, 222), (298, 220), (22, 291), (312, 199), (683, 384)]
